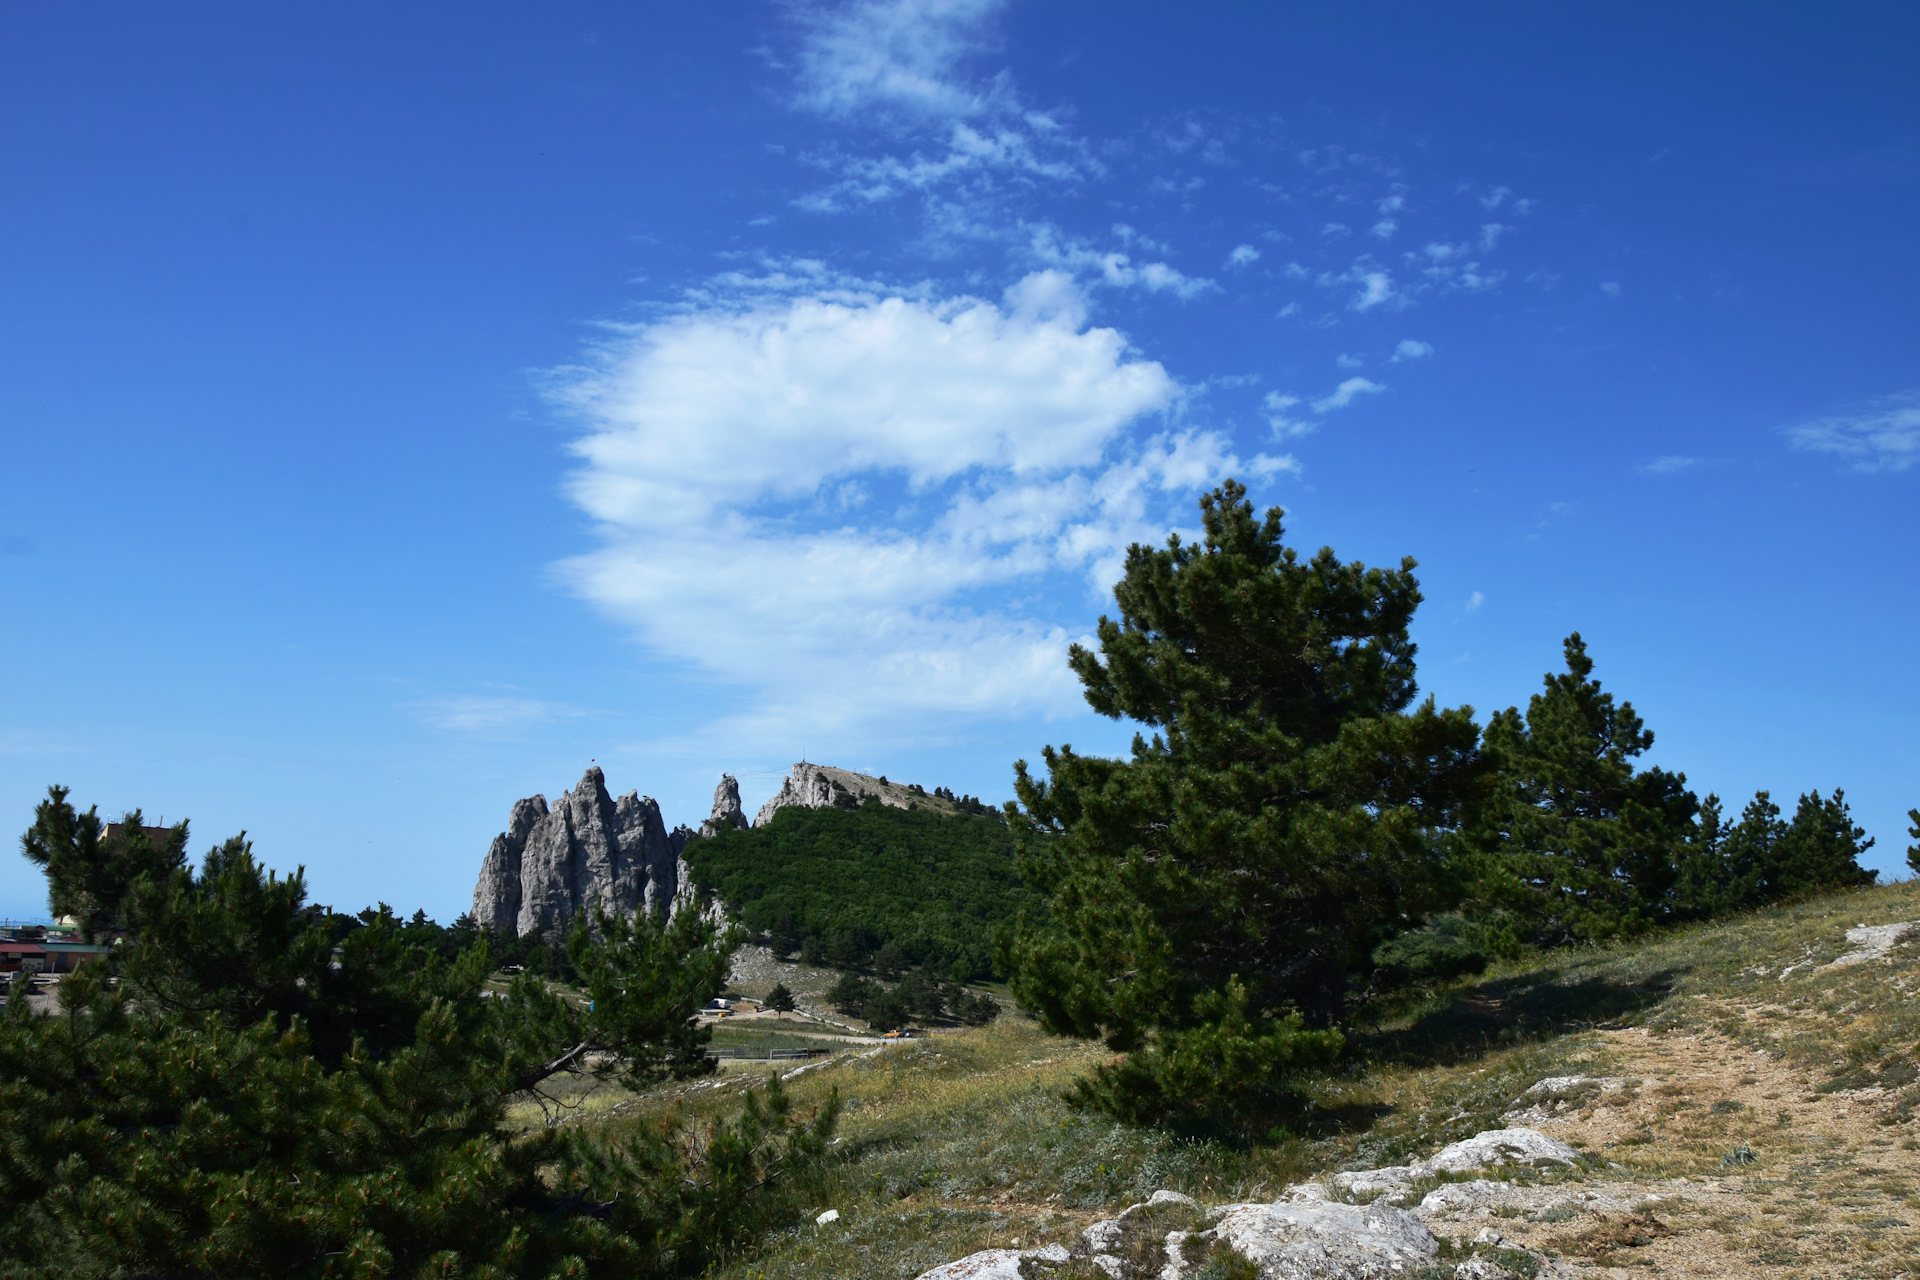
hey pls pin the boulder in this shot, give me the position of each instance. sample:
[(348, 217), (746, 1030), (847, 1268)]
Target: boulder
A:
[(993, 1264), (1496, 1147), (1322, 1240), (1492, 1149)]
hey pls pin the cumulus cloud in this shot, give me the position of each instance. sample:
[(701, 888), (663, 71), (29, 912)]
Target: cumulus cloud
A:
[(1345, 394), (1411, 349), (1243, 255), (1883, 436), (991, 445)]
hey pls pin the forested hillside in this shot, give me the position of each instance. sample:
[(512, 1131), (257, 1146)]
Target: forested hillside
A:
[(838, 885)]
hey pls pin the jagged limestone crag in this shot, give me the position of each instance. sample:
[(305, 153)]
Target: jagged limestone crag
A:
[(820, 786), (727, 811), (552, 864)]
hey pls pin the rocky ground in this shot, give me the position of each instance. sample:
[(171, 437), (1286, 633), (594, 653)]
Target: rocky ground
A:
[(1738, 1100)]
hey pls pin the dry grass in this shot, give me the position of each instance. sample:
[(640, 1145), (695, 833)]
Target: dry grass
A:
[(961, 1142)]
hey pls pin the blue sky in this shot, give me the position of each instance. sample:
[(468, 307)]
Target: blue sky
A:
[(399, 410)]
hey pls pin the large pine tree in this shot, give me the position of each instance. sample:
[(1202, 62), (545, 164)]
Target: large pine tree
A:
[(1209, 896)]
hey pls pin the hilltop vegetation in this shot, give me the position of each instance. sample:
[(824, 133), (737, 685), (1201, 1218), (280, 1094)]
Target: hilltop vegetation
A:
[(839, 886)]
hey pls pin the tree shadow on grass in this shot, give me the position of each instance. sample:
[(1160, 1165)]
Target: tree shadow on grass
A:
[(1469, 1022)]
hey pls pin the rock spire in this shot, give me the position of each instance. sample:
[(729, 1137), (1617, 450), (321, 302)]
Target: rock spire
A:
[(551, 864), (727, 812)]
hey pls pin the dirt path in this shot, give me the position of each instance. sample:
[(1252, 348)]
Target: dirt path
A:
[(1829, 1191)]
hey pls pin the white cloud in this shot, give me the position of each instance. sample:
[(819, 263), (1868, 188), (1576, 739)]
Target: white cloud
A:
[(1411, 349), (995, 444), (1347, 361), (490, 717), (1671, 464), (1117, 269), (1883, 436), (894, 56), (1490, 234), (1376, 287), (1384, 228), (1243, 255), (1475, 600), (1345, 394), (1280, 416), (1611, 288)]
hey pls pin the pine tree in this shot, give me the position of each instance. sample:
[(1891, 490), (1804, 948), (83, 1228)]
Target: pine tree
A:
[(1209, 895), (1575, 843), (1820, 850), (780, 1000), (242, 1088), (1913, 833)]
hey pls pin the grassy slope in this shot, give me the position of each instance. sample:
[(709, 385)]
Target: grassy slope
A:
[(961, 1142)]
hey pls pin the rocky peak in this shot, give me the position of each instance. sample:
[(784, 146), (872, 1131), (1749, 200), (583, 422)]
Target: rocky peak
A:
[(588, 849), (727, 811), (820, 786)]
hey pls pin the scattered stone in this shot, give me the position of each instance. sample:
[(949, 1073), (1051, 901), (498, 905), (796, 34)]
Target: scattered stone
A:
[(831, 1215), (1308, 1240), (1870, 942), (1556, 1095), (1495, 1148), (994, 1264)]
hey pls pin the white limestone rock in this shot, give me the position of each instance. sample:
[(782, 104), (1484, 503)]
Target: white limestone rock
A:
[(727, 811), (993, 1264), (1455, 1199), (549, 865), (1497, 1147), (1324, 1240), (820, 786)]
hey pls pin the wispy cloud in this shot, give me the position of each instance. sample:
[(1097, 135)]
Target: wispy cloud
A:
[(1882, 436), (490, 717), (1475, 600), (1281, 417), (1671, 464), (1411, 349), (1243, 255), (1114, 268), (894, 56), (1345, 394)]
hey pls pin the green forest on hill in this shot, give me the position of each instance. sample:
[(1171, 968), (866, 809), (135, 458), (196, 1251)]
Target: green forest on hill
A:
[(838, 885)]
